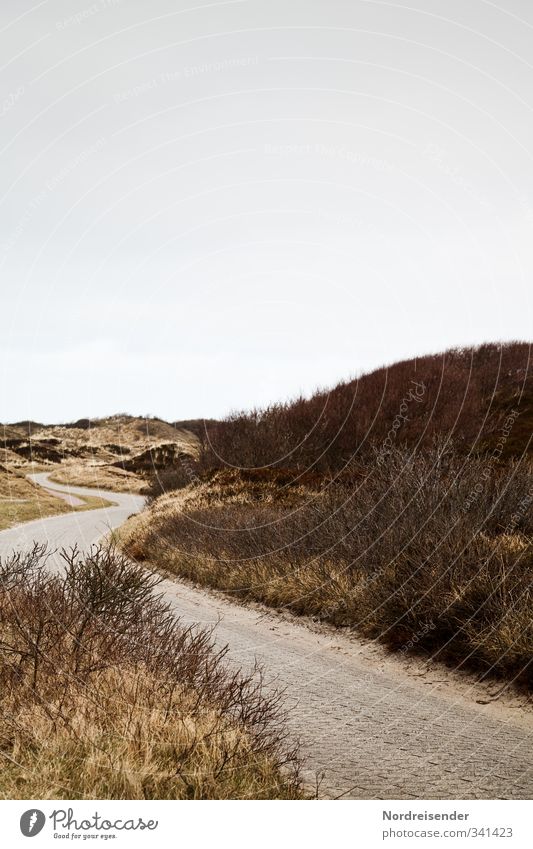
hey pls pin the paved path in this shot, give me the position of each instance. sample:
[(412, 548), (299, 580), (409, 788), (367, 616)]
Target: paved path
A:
[(374, 729), (375, 732), (81, 528), (72, 500)]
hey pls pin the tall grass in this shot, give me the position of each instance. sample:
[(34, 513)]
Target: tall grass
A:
[(430, 548), (104, 695)]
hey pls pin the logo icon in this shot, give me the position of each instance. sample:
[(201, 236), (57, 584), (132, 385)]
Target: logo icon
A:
[(32, 822)]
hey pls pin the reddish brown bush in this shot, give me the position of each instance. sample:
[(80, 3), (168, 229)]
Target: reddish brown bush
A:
[(464, 394), (427, 538)]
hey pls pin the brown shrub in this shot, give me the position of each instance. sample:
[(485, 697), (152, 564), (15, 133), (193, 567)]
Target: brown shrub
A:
[(104, 695), (464, 394), (431, 546)]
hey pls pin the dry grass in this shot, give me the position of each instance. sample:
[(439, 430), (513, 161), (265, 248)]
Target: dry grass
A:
[(40, 507), (118, 433), (23, 501), (407, 555), (98, 477), (130, 738), (114, 453), (103, 695)]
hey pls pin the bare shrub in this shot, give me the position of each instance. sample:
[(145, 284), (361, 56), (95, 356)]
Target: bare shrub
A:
[(463, 393), (427, 537), (104, 695), (170, 479)]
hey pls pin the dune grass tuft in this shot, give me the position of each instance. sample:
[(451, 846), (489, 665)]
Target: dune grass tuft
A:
[(104, 695)]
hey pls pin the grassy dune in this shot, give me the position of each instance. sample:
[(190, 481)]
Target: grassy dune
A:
[(97, 477), (115, 453)]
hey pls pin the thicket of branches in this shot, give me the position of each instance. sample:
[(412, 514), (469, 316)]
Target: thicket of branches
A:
[(103, 694), (398, 504), (431, 546), (465, 394)]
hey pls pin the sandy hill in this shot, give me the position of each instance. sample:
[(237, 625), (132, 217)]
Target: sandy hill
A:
[(116, 452), (105, 439), (116, 433)]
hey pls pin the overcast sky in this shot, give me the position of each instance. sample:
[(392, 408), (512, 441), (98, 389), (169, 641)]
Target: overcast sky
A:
[(208, 206)]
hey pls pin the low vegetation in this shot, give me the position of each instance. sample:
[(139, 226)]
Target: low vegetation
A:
[(22, 501), (117, 453), (398, 505), (463, 394), (413, 552), (98, 477), (105, 696)]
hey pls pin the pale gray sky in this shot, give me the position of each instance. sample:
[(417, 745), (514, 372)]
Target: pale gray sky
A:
[(207, 206)]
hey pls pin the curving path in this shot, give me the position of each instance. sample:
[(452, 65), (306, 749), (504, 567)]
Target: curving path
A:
[(374, 726), (69, 529)]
